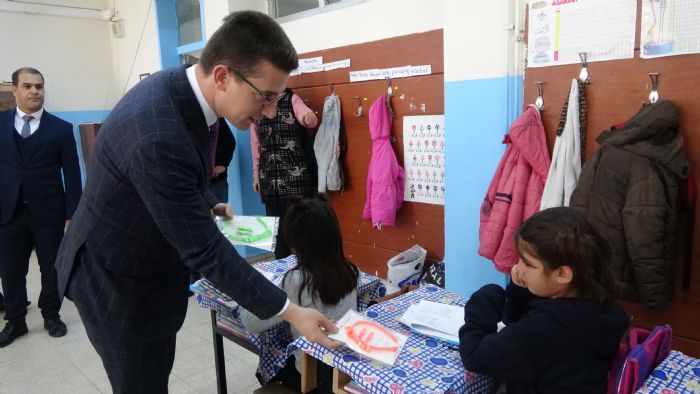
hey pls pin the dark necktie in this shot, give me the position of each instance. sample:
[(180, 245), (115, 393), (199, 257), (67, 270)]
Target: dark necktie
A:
[(213, 136), (26, 129)]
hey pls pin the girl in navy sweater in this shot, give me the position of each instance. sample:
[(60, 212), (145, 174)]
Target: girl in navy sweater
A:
[(562, 328)]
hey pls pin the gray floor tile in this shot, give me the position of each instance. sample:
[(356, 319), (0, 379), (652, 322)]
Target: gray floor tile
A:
[(37, 363)]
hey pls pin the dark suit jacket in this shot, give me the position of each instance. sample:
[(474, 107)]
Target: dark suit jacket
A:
[(52, 197), (144, 219)]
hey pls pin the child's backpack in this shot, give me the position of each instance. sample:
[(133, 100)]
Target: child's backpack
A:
[(639, 353)]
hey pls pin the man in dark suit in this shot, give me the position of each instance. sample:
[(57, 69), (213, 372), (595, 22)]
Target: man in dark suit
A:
[(145, 218), (40, 189)]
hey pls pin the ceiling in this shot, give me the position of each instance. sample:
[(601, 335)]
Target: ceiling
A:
[(86, 4)]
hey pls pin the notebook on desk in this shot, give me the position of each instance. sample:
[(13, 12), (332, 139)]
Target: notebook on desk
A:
[(436, 320)]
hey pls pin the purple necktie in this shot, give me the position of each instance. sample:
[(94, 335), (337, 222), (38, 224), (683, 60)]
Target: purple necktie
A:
[(213, 136)]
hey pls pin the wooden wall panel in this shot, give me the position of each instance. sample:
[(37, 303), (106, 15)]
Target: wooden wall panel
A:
[(367, 246), (617, 90)]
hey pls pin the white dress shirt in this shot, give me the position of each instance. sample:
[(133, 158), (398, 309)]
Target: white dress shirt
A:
[(33, 124)]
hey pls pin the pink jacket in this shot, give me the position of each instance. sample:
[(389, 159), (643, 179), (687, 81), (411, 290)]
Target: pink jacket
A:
[(515, 191), (385, 177)]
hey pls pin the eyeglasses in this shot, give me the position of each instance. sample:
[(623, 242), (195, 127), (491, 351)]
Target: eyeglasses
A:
[(267, 98)]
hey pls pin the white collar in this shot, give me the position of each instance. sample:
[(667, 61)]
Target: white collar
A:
[(36, 115), (209, 114)]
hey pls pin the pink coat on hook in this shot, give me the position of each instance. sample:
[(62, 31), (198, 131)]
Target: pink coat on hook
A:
[(385, 178)]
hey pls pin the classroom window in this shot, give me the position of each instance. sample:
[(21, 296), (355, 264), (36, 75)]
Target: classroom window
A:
[(189, 21), (294, 9)]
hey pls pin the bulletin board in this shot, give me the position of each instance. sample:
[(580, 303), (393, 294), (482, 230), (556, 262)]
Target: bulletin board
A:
[(616, 92), (416, 223)]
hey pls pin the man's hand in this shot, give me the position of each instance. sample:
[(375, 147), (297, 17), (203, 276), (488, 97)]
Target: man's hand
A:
[(217, 170), (517, 277), (312, 325), (256, 184), (223, 210)]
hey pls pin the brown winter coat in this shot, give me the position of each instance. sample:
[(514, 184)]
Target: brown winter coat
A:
[(629, 192)]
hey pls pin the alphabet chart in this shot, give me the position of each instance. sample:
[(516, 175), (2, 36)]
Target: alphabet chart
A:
[(424, 158)]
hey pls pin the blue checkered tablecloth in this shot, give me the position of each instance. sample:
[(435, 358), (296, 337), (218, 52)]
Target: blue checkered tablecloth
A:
[(424, 365), (677, 374), (272, 343)]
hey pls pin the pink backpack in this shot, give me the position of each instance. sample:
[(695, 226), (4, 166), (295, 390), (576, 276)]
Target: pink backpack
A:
[(640, 352)]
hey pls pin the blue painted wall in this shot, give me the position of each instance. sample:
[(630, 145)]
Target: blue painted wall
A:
[(477, 116), (77, 117), (240, 180)]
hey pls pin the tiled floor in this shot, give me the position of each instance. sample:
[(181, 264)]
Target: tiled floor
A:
[(38, 363)]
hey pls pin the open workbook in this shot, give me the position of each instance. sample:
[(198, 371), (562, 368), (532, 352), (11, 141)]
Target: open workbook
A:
[(436, 320)]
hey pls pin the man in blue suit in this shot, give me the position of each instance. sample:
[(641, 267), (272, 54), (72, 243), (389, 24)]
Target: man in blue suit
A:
[(39, 191), (145, 218)]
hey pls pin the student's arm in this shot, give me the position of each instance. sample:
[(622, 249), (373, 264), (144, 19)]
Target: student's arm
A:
[(304, 114), (502, 355), (517, 303), (254, 324)]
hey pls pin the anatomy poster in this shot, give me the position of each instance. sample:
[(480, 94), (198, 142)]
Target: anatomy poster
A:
[(424, 158)]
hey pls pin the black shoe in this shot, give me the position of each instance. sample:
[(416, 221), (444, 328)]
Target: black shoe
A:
[(12, 331), (55, 327)]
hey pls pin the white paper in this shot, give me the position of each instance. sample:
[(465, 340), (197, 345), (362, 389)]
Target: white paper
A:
[(424, 158), (435, 320), (311, 61), (312, 68), (374, 337), (669, 27), (338, 64), (393, 73), (255, 231), (558, 30)]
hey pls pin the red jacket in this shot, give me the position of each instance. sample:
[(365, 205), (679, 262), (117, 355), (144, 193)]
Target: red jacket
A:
[(515, 191)]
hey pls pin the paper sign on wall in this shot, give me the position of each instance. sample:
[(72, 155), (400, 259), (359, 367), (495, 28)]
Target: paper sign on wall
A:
[(424, 158), (558, 30), (669, 27)]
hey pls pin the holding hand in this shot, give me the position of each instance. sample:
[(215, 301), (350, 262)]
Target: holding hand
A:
[(223, 210), (217, 170), (312, 325), (256, 184)]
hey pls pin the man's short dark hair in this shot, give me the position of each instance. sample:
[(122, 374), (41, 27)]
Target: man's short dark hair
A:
[(246, 38), (28, 70)]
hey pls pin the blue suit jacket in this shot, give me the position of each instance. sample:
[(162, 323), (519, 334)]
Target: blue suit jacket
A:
[(144, 220), (51, 198)]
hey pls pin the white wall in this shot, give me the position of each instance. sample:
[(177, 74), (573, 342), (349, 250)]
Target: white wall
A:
[(138, 51), (367, 21), (475, 40), (73, 54), (240, 5)]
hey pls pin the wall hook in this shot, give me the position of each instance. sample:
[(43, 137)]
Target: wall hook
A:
[(358, 112), (583, 75), (332, 88), (389, 90), (539, 101), (654, 95)]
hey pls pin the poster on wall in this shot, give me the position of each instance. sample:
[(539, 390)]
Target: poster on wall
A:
[(558, 30), (669, 27), (424, 158)]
